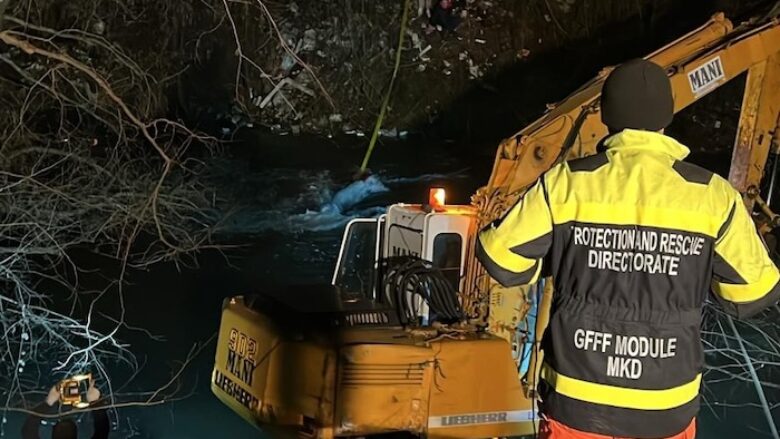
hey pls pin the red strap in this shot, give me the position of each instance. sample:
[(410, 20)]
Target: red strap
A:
[(551, 429)]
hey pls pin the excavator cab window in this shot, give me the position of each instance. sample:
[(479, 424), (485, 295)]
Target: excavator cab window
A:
[(356, 269), (447, 249)]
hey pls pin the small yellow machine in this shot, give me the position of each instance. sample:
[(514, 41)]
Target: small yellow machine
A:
[(73, 391), (412, 336)]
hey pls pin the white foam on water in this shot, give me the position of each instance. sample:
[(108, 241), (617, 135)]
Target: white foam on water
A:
[(339, 210), (288, 200)]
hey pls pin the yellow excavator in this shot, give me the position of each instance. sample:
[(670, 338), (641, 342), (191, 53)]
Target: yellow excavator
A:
[(412, 336)]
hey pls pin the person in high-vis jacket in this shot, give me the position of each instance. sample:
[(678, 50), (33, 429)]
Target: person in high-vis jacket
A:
[(636, 238)]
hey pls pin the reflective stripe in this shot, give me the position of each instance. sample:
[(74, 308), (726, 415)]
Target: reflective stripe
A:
[(639, 399), (528, 221), (503, 276), (496, 249), (749, 292), (633, 215)]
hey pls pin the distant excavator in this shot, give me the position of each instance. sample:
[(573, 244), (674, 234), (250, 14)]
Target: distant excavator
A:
[(413, 337)]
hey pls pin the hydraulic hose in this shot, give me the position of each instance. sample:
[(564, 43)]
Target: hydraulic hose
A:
[(406, 281)]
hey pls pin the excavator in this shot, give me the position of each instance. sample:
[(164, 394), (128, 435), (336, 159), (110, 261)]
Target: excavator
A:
[(413, 337)]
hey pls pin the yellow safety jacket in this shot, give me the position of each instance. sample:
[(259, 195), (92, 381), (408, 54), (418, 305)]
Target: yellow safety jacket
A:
[(636, 240)]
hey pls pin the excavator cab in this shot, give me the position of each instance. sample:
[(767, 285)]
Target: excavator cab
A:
[(373, 249)]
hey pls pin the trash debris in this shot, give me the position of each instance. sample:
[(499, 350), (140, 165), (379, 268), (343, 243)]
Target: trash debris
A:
[(523, 53), (322, 51), (393, 132), (388, 132), (288, 62), (424, 51), (474, 71), (278, 87), (309, 40), (424, 8), (415, 38), (356, 133), (566, 5), (99, 27)]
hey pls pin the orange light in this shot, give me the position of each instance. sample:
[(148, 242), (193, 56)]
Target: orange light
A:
[(437, 197)]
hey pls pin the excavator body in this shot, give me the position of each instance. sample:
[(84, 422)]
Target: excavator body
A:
[(413, 336)]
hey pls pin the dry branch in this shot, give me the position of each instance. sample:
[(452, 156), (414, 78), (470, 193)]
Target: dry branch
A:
[(87, 160)]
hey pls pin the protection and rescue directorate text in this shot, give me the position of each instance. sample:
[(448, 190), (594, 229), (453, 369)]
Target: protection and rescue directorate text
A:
[(636, 250), (626, 351)]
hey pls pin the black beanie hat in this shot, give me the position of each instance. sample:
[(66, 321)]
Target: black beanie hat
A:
[(637, 95)]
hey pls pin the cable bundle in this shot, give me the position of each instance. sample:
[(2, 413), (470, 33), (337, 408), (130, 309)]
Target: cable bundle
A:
[(406, 279)]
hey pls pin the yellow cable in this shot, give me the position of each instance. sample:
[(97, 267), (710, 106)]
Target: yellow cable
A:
[(386, 100)]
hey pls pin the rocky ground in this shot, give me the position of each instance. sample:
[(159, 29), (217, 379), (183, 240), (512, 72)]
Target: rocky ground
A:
[(350, 46), (337, 60), (323, 67)]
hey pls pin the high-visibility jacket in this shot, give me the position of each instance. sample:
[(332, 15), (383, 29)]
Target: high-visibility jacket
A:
[(636, 240)]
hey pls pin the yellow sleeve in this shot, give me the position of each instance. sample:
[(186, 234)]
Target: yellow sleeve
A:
[(512, 249), (745, 280)]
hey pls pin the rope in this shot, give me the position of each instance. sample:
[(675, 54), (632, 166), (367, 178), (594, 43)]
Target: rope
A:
[(386, 100)]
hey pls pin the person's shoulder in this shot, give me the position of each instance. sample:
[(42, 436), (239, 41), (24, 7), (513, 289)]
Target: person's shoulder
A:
[(589, 163), (721, 186), (696, 174), (720, 194), (565, 170)]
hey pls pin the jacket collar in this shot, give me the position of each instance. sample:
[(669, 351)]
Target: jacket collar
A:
[(649, 141)]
